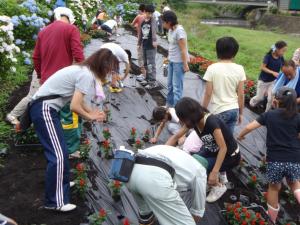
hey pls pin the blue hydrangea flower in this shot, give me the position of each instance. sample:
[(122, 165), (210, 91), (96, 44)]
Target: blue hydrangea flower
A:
[(27, 61), (18, 42)]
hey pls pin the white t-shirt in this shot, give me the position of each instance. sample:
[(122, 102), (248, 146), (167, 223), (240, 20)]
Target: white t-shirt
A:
[(64, 83), (156, 14), (174, 50), (118, 51), (225, 78), (111, 23), (174, 118)]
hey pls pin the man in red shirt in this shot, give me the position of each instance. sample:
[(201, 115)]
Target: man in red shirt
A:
[(57, 46)]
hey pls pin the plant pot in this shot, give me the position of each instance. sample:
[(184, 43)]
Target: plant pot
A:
[(116, 198), (146, 139), (131, 141)]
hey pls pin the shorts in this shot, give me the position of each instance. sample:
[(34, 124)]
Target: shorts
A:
[(276, 171), (106, 28)]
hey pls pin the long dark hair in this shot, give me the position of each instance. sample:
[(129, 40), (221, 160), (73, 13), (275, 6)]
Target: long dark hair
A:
[(190, 112), (278, 45), (101, 63), (287, 98)]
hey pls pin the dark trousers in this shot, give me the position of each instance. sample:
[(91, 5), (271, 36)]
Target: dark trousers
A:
[(48, 127)]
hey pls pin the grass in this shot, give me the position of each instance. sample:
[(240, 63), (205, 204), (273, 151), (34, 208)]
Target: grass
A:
[(253, 43)]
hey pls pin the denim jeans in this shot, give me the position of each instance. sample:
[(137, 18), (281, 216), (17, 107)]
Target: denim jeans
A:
[(230, 118), (175, 83)]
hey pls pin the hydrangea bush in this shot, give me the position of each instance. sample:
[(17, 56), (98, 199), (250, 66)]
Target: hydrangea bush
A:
[(8, 50)]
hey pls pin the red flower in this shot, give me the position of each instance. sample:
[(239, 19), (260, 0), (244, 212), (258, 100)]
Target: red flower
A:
[(87, 141), (254, 178), (237, 216), (248, 215), (106, 129), (238, 205), (133, 130), (126, 222), (262, 222), (81, 182), (106, 144), (253, 222), (244, 210), (138, 142), (244, 223), (102, 213), (258, 215), (80, 167), (265, 195), (117, 184)]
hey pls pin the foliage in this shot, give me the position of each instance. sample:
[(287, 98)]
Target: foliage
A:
[(97, 34), (27, 137), (85, 39), (146, 136), (249, 89), (106, 149), (84, 149), (133, 133), (98, 218), (106, 133), (199, 64), (138, 144), (236, 214), (80, 173), (115, 187)]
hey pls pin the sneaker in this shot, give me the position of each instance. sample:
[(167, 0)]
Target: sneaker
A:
[(223, 178), (115, 89), (72, 184), (216, 193), (144, 83), (12, 119), (64, 208), (140, 78), (75, 155), (151, 86)]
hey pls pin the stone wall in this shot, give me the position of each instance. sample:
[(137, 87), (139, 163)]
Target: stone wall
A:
[(286, 24)]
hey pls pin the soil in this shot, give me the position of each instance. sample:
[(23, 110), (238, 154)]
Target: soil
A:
[(22, 184)]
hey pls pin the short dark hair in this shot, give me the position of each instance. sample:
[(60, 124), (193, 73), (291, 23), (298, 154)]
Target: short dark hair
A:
[(227, 48), (189, 111), (159, 113), (101, 63), (278, 45), (142, 7), (170, 16), (149, 8), (289, 63)]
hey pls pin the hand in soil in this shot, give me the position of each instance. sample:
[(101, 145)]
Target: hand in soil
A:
[(98, 116), (153, 140)]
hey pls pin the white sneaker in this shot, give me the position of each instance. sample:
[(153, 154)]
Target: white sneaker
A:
[(216, 193), (144, 83), (64, 208), (151, 86), (140, 78), (223, 178), (12, 119), (72, 184)]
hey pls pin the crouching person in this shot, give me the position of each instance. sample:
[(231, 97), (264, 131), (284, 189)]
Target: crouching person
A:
[(160, 173), (68, 85)]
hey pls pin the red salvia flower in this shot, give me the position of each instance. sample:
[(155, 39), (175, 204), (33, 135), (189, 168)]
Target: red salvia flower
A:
[(248, 215), (258, 215), (106, 144), (126, 222), (81, 182), (102, 213), (87, 141), (138, 142), (117, 184), (254, 178), (80, 167), (133, 131), (262, 222)]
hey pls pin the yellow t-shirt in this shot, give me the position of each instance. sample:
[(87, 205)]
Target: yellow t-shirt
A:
[(225, 78)]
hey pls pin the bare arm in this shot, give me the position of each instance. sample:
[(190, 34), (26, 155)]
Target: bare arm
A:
[(78, 106), (127, 69), (182, 45), (158, 132), (250, 127), (174, 139), (213, 178), (240, 93), (208, 94), (265, 69)]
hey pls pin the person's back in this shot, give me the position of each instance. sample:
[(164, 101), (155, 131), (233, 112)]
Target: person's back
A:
[(57, 45), (225, 78), (282, 141)]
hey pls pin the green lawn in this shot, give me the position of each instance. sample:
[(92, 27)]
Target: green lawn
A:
[(253, 44)]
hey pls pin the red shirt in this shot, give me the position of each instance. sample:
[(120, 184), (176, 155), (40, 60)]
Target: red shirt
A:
[(57, 46), (137, 22)]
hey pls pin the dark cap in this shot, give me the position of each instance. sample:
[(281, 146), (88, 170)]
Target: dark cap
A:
[(285, 92)]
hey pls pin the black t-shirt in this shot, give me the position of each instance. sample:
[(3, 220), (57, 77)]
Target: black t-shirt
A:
[(283, 144), (147, 34), (272, 64), (210, 146)]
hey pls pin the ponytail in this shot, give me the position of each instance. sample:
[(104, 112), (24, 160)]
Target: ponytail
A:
[(288, 101)]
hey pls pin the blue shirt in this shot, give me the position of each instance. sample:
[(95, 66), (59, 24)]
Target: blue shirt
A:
[(272, 64)]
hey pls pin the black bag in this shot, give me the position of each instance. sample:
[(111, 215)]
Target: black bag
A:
[(25, 119)]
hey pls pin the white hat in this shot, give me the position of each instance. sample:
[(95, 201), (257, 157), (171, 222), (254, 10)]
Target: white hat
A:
[(63, 11)]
